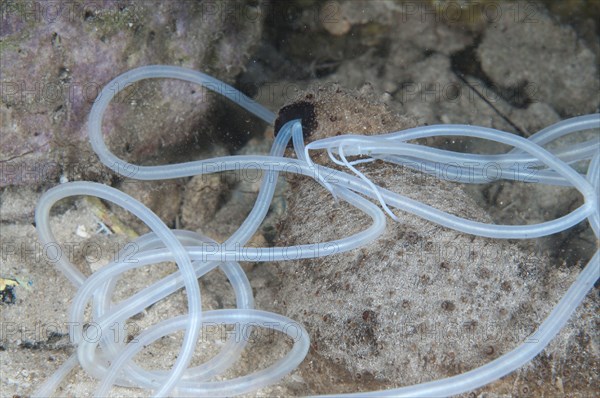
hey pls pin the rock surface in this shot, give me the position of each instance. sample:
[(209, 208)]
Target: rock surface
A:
[(55, 57), (422, 302), (553, 62), (430, 61)]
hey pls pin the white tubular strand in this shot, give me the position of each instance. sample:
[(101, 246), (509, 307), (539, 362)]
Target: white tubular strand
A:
[(112, 363)]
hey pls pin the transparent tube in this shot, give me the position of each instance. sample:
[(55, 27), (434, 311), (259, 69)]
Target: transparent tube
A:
[(112, 363)]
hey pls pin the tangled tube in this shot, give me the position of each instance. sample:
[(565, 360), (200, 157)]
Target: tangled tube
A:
[(111, 361)]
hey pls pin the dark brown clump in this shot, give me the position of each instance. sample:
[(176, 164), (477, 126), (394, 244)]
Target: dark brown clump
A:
[(303, 110)]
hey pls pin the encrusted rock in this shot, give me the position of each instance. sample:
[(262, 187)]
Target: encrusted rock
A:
[(535, 50), (420, 303), (55, 58)]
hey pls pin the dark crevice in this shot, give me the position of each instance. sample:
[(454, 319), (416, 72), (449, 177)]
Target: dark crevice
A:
[(231, 126), (384, 48), (466, 63), (302, 51)]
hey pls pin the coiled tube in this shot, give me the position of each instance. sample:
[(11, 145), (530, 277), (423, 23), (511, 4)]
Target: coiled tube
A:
[(196, 255)]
